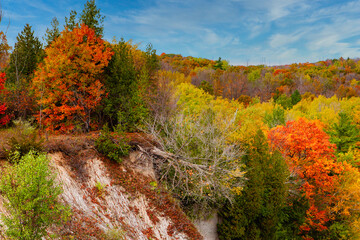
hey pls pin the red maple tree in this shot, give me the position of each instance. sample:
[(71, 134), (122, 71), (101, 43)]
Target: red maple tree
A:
[(68, 84)]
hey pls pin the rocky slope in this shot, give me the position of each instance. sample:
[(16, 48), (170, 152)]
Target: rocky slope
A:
[(111, 200)]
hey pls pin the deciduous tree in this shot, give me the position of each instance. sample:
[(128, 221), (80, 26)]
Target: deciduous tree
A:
[(68, 84), (310, 156)]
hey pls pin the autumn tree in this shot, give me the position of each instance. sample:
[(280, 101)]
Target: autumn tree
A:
[(68, 84), (4, 118), (4, 51), (256, 212), (310, 157)]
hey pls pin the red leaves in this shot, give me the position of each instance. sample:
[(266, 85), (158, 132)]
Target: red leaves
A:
[(68, 85), (4, 118), (310, 156)]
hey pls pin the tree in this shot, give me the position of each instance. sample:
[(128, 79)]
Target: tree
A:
[(256, 212), (25, 57), (4, 118), (295, 97), (31, 197), (91, 17), (123, 104), (53, 33), (68, 84), (310, 157), (70, 23), (196, 155), (4, 51), (23, 62), (344, 134)]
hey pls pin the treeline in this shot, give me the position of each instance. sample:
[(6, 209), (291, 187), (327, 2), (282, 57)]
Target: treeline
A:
[(274, 150)]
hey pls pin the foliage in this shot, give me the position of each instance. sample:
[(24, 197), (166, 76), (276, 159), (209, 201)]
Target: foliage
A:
[(344, 134), (68, 84), (200, 163), (4, 117), (24, 59), (124, 104), (310, 157), (24, 138), (31, 195), (255, 213), (4, 51), (53, 33), (207, 87), (114, 146), (92, 18), (115, 234), (295, 97), (276, 117)]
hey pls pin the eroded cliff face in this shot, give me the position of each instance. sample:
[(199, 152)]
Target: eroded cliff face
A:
[(114, 201)]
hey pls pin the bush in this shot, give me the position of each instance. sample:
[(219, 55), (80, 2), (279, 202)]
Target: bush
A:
[(30, 194), (24, 138), (113, 145)]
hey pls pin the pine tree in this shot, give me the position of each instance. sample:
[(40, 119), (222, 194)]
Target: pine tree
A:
[(91, 17), (53, 33), (71, 23), (255, 213), (27, 54), (121, 84), (344, 134)]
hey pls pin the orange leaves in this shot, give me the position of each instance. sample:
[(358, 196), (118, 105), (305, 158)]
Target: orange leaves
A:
[(68, 84), (310, 156)]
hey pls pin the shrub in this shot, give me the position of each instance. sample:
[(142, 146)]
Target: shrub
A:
[(113, 145), (23, 139), (30, 194)]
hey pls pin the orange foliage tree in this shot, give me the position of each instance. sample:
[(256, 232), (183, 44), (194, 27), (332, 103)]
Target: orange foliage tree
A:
[(310, 157), (68, 84)]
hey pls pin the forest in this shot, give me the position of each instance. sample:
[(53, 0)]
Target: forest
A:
[(274, 150)]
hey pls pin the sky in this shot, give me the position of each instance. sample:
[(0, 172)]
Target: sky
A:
[(244, 32)]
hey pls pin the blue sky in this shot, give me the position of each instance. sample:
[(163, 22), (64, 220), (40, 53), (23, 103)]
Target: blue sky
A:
[(240, 31)]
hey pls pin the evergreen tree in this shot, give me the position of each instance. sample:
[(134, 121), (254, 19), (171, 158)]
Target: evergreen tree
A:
[(91, 17), (53, 33), (71, 23), (27, 54), (344, 134), (295, 97), (122, 106), (255, 213)]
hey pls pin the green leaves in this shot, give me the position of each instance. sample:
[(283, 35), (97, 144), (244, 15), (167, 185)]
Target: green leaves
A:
[(31, 195)]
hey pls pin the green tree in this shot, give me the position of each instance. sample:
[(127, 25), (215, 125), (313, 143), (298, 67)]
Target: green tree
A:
[(123, 105), (345, 133), (295, 97), (31, 197), (71, 23), (53, 33), (91, 17), (24, 59), (255, 213)]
